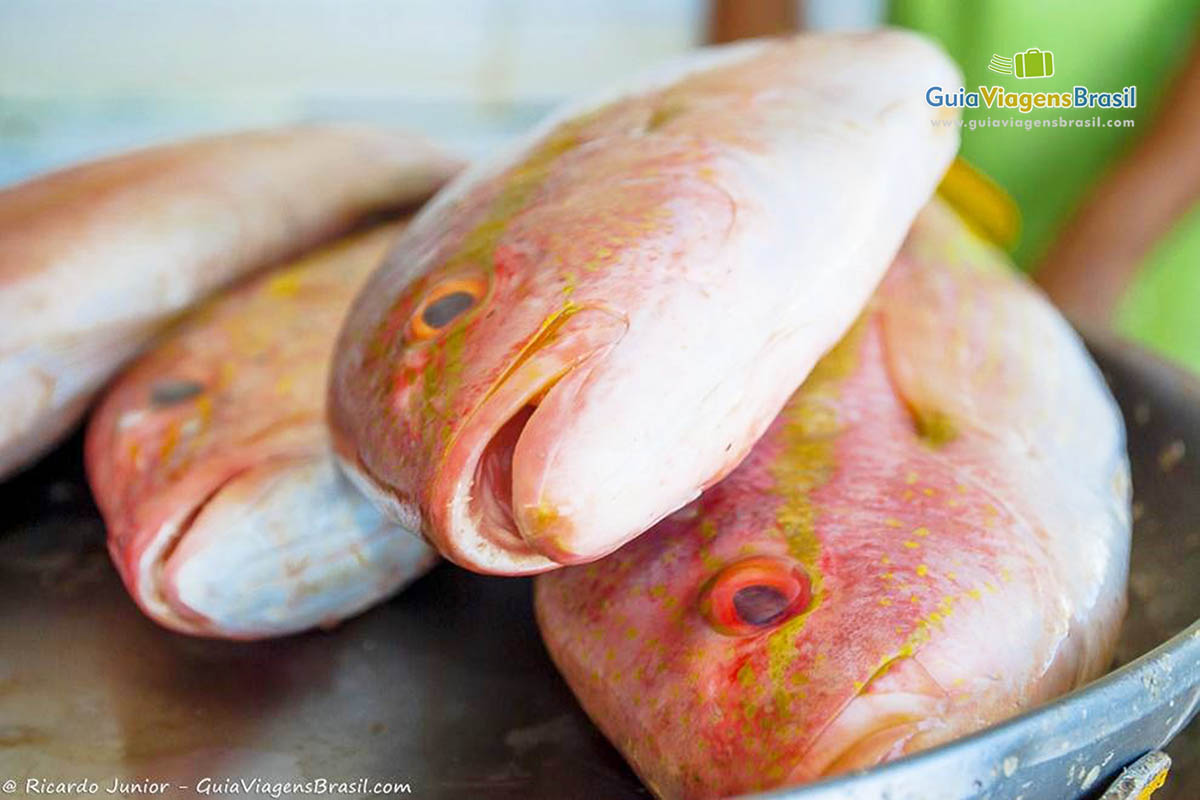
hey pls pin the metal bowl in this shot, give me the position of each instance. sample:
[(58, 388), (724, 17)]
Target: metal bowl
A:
[(447, 688)]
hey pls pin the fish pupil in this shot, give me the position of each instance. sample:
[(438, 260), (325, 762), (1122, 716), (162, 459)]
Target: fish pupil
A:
[(759, 605), (172, 392), (445, 309)]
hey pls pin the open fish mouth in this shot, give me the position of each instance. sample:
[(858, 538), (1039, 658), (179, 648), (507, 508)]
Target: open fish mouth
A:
[(480, 512)]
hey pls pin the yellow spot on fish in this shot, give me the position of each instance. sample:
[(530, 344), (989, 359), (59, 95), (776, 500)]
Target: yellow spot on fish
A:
[(911, 545), (284, 285), (922, 569), (569, 281), (745, 676), (169, 441), (921, 532), (892, 522), (935, 427), (544, 516), (883, 601), (885, 560)]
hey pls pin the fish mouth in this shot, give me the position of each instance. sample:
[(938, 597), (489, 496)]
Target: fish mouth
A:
[(510, 434), (147, 559), (272, 549), (900, 709)]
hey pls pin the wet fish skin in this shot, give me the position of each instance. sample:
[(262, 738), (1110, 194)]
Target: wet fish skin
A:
[(96, 258), (933, 536), (210, 461), (585, 388)]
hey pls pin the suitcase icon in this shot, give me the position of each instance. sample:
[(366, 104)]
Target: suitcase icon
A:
[(1033, 63)]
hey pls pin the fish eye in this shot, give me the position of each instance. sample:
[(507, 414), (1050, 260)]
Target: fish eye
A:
[(754, 595), (445, 303), (173, 391)]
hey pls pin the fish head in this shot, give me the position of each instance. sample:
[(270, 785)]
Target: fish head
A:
[(210, 460), (853, 591), (574, 341), (506, 366), (766, 655)]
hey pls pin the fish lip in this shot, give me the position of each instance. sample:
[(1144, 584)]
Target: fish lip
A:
[(243, 567), (143, 556), (885, 733), (589, 332), (145, 568)]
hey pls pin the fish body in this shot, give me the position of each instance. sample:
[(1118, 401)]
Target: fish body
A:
[(931, 537), (572, 342), (95, 259), (210, 461)]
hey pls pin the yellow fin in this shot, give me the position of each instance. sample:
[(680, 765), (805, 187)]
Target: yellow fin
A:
[(986, 208)]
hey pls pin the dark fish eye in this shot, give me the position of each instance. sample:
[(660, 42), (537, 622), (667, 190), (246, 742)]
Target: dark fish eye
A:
[(445, 303), (754, 595), (443, 311), (171, 392), (759, 605)]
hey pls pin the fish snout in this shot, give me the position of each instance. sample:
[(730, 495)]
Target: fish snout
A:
[(273, 550), (479, 517)]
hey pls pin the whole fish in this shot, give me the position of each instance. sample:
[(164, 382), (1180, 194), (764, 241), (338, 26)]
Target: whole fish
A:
[(210, 461), (571, 343), (96, 258), (932, 536)]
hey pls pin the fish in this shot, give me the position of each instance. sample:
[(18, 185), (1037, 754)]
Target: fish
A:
[(210, 461), (573, 340), (95, 259), (931, 537)]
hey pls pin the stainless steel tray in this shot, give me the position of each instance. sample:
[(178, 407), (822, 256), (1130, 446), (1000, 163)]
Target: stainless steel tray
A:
[(447, 687)]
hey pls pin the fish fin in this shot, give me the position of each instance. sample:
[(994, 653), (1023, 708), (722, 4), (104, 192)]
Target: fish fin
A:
[(986, 208)]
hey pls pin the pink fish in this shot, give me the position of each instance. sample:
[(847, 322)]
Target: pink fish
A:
[(571, 343), (932, 536), (95, 259), (210, 461)]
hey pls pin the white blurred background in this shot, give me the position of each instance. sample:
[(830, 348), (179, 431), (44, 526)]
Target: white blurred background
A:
[(79, 78), (82, 77)]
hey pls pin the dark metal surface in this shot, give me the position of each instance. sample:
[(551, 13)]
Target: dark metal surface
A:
[(447, 687)]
